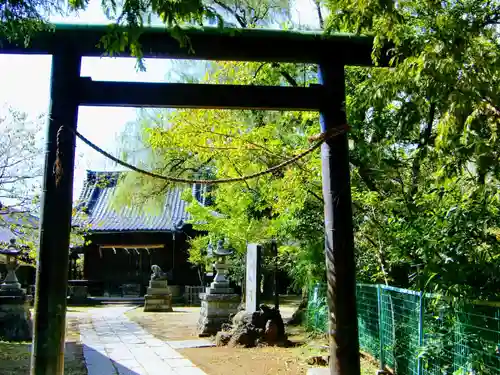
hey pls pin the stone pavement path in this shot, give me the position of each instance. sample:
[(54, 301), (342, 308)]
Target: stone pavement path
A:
[(114, 345)]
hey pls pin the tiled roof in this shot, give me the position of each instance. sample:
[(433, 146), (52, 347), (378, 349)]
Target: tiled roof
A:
[(96, 200)]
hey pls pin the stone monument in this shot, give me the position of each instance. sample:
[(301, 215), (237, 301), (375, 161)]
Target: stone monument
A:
[(219, 300), (15, 316), (253, 276), (158, 297), (257, 324)]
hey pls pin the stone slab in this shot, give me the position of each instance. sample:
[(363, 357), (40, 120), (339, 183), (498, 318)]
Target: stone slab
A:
[(157, 300), (161, 298), (219, 297), (131, 371), (191, 371), (219, 290), (165, 299), (158, 291), (180, 362), (127, 363), (166, 353), (318, 371), (187, 344), (158, 284), (154, 343), (157, 308), (158, 303)]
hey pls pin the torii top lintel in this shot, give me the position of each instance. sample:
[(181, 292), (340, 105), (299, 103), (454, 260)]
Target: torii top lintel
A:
[(209, 43)]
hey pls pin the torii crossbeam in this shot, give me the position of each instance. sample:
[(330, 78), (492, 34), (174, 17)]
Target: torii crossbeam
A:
[(69, 43)]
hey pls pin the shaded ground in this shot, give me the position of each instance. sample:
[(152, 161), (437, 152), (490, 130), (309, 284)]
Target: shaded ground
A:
[(181, 325), (15, 357)]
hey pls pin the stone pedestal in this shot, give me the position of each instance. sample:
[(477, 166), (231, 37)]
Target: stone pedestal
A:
[(219, 300), (15, 317), (217, 304), (158, 298)]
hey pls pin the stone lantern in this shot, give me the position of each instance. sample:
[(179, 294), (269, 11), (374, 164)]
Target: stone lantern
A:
[(219, 301), (221, 267), (15, 316), (9, 256)]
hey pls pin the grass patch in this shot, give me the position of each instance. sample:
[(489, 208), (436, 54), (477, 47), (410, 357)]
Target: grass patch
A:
[(15, 357)]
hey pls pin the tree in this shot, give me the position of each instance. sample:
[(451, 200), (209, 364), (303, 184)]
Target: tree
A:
[(20, 174), (21, 166), (425, 145)]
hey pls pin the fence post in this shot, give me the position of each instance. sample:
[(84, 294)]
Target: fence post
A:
[(380, 327), (420, 331)]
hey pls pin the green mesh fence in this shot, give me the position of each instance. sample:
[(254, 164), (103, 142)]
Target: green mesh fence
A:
[(412, 333), (368, 321), (317, 309)]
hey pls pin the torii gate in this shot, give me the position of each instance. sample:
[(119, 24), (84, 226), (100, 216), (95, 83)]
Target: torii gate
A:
[(69, 43)]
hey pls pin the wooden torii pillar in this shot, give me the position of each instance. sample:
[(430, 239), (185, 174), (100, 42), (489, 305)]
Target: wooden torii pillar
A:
[(69, 43)]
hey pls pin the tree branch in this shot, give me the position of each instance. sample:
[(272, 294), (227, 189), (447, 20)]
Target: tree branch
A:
[(424, 141), (320, 14), (240, 19), (316, 196), (285, 75)]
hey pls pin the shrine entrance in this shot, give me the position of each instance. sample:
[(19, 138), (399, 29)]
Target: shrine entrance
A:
[(69, 43)]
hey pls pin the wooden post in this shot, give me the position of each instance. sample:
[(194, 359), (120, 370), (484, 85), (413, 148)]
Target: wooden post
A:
[(339, 241), (52, 265)]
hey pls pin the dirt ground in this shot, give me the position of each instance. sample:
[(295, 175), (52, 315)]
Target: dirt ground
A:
[(177, 325), (182, 323), (15, 357)]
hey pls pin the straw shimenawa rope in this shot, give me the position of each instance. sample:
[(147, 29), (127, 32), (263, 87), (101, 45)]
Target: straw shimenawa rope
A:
[(318, 139), (58, 169)]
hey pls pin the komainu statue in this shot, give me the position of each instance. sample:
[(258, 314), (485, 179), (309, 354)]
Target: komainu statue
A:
[(158, 274)]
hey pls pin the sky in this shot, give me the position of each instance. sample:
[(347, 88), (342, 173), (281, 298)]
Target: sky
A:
[(26, 84)]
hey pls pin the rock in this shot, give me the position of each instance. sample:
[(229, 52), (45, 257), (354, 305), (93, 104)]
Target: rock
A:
[(318, 360), (244, 335), (222, 338), (271, 332), (264, 326), (237, 318)]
